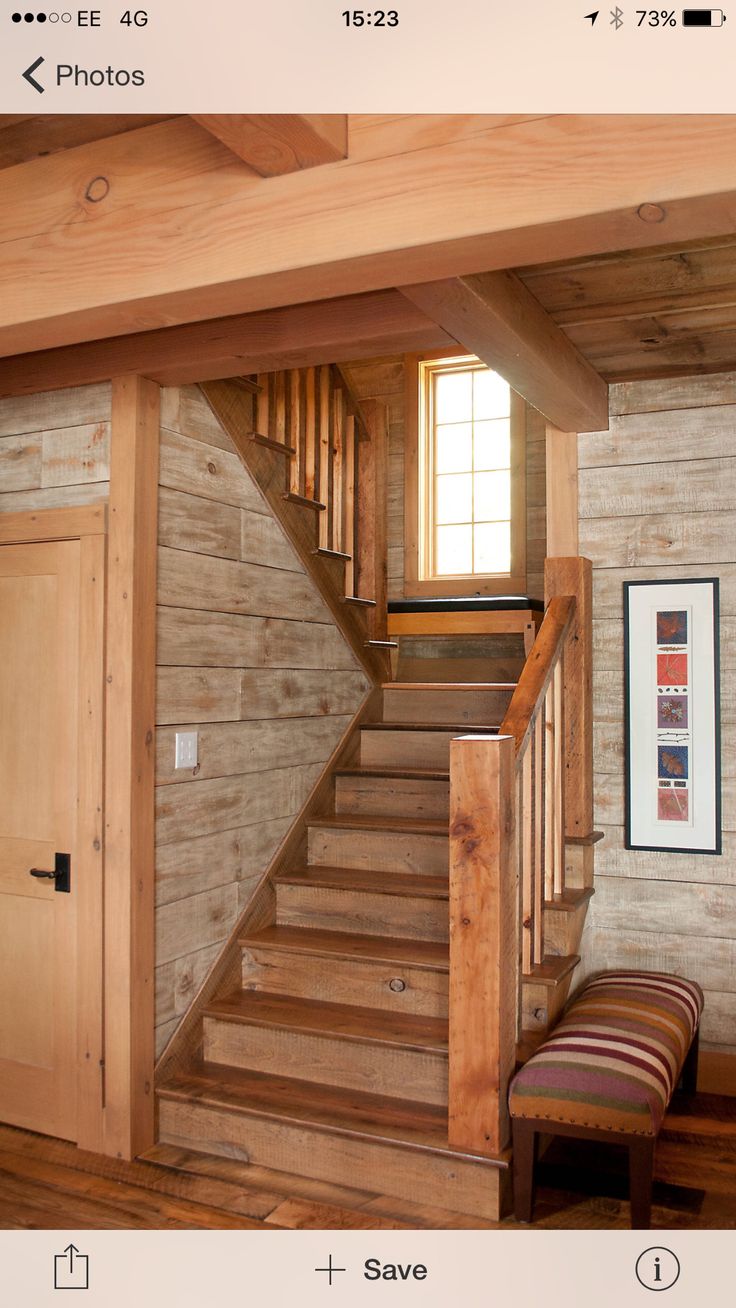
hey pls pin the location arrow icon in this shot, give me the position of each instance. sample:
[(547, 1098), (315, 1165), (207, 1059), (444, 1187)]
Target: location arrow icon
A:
[(28, 74), (593, 16)]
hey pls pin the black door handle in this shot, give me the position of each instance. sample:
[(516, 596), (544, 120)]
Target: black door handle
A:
[(61, 874)]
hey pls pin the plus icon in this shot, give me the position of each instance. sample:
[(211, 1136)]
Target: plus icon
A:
[(330, 1269)]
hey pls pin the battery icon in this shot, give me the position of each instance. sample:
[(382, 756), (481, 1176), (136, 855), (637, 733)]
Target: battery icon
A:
[(703, 18)]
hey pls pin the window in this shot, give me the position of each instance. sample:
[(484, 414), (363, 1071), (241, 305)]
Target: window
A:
[(465, 520)]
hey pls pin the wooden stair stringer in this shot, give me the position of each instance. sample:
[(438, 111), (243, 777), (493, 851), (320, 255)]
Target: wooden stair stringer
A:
[(232, 407)]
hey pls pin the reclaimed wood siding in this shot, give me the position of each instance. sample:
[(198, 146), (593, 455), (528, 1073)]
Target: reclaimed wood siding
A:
[(55, 449), (248, 655), (383, 380), (658, 500)]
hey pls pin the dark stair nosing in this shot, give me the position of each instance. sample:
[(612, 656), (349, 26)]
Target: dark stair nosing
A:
[(411, 1125), (366, 1026), (570, 900), (359, 601), (366, 881), (278, 446), (429, 955), (457, 729), (379, 822), (395, 773), (553, 970), (302, 500), (324, 553)]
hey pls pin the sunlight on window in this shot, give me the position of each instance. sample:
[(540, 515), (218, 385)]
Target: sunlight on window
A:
[(468, 408)]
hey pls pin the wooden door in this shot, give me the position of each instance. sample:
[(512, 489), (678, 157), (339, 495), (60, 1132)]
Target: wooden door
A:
[(40, 588)]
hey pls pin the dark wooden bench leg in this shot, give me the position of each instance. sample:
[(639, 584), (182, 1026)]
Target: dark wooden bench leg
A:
[(525, 1156), (641, 1177), (689, 1075)]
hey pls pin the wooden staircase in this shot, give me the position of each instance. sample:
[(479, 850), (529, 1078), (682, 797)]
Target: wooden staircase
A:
[(331, 1057), (319, 458)]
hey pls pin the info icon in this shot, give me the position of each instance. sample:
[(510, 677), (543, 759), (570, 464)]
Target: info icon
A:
[(657, 1268)]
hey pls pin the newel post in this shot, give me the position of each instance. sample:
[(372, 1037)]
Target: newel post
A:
[(484, 941)]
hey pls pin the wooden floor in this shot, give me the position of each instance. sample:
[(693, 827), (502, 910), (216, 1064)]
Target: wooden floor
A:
[(49, 1184)]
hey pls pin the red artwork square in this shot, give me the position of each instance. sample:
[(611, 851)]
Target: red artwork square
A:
[(673, 805), (672, 670)]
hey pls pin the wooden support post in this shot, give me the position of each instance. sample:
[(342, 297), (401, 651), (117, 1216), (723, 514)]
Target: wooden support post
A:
[(562, 491), (129, 767), (373, 513), (574, 576), (484, 941)]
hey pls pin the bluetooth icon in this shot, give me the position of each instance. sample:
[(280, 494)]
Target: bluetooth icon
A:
[(617, 18)]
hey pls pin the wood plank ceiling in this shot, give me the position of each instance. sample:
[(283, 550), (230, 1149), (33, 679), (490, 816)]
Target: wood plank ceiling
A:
[(664, 311)]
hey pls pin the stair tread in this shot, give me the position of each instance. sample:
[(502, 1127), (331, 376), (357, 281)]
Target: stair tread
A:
[(358, 599), (344, 1112), (303, 500), (341, 1021), (553, 969), (570, 900), (378, 822), (398, 773), (409, 885), (277, 446), (339, 944), (457, 729), (449, 685), (325, 553)]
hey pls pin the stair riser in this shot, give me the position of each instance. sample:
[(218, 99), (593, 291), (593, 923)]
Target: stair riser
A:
[(454, 706), (392, 797), (379, 1069), (379, 1167), (362, 913), (379, 851), (406, 749), (542, 1005), (563, 931), (363, 983)]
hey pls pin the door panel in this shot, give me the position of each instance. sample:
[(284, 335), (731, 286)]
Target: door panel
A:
[(39, 674)]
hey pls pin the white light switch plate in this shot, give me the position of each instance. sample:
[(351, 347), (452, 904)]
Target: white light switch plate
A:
[(186, 749)]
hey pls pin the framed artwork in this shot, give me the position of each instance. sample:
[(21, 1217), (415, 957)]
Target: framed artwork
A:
[(673, 746)]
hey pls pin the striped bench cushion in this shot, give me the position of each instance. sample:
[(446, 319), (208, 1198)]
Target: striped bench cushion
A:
[(615, 1058)]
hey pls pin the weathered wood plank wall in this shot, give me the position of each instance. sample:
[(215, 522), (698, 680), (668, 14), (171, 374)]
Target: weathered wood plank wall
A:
[(249, 656), (55, 449), (658, 500)]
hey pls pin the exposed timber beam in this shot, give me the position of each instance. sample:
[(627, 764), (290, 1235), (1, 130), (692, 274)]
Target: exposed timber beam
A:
[(497, 318), (304, 335), (274, 144), (160, 226)]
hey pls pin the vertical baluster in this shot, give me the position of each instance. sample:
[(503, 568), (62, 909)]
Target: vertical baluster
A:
[(263, 420), (549, 793), (351, 458), (338, 468), (525, 825), (538, 743), (559, 793), (325, 461), (310, 435), (278, 411), (294, 437)]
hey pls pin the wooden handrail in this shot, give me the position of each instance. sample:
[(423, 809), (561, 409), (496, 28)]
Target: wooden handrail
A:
[(538, 671)]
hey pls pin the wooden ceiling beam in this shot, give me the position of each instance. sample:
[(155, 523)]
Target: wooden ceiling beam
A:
[(160, 226), (328, 331), (497, 318), (274, 144)]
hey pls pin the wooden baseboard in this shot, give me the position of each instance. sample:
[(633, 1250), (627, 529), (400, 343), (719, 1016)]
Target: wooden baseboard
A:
[(717, 1070)]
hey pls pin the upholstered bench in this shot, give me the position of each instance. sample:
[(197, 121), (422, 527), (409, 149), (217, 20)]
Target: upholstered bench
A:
[(607, 1072)]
